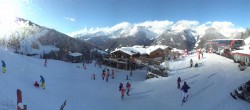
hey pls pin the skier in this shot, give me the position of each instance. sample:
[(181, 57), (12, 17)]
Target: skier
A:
[(4, 66), (178, 82), (103, 75), (45, 62), (122, 92), (42, 80), (191, 62), (36, 84), (185, 88), (120, 86), (113, 74), (127, 77), (131, 73), (93, 77), (128, 85), (107, 77)]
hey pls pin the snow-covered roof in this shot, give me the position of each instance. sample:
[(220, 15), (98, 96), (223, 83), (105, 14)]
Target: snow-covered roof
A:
[(150, 49), (75, 54), (130, 50)]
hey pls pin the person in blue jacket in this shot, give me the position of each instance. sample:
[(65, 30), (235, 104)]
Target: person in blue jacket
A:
[(185, 88), (42, 80), (4, 66)]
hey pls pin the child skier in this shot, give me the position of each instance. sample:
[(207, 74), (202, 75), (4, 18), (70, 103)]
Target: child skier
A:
[(122, 93), (36, 84), (185, 88), (3, 66), (45, 62), (120, 86), (128, 85), (178, 82), (93, 77), (107, 77), (42, 80), (103, 75)]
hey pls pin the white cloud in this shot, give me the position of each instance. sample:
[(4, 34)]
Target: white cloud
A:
[(71, 19), (184, 24)]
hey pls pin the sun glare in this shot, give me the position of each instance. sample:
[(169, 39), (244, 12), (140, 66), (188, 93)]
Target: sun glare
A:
[(8, 10)]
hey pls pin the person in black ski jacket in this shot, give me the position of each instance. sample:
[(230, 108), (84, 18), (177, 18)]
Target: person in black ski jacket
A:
[(185, 88), (178, 82)]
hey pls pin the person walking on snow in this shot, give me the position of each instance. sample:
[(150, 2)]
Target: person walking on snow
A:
[(128, 86), (3, 66), (131, 73), (185, 88), (178, 82), (42, 80), (191, 62)]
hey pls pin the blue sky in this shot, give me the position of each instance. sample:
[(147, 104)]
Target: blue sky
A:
[(72, 15)]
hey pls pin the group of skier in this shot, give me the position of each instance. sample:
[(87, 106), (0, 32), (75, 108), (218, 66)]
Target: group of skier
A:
[(107, 74), (184, 89), (123, 90)]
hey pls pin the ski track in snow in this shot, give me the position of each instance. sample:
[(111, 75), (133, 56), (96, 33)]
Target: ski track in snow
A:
[(210, 85)]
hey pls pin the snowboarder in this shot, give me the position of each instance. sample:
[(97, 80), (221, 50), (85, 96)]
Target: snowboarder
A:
[(42, 80), (185, 88), (45, 62), (36, 84), (113, 74), (191, 62), (122, 92), (178, 82), (120, 86), (128, 85), (93, 77), (131, 73), (3, 66)]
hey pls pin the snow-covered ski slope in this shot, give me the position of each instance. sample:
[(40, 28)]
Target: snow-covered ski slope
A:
[(210, 86)]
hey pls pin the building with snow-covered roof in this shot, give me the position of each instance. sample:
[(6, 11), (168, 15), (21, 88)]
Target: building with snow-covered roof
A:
[(75, 57), (242, 55)]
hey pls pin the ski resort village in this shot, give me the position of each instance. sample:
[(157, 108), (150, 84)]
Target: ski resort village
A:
[(124, 55)]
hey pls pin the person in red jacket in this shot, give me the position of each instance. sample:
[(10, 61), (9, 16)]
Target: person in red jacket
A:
[(36, 84), (122, 92), (128, 85)]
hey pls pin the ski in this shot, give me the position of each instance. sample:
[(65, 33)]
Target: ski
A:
[(183, 101), (233, 95)]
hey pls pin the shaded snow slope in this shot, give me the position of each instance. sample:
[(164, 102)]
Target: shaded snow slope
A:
[(210, 86)]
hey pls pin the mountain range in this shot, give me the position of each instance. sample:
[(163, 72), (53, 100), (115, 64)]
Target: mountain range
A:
[(182, 34)]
